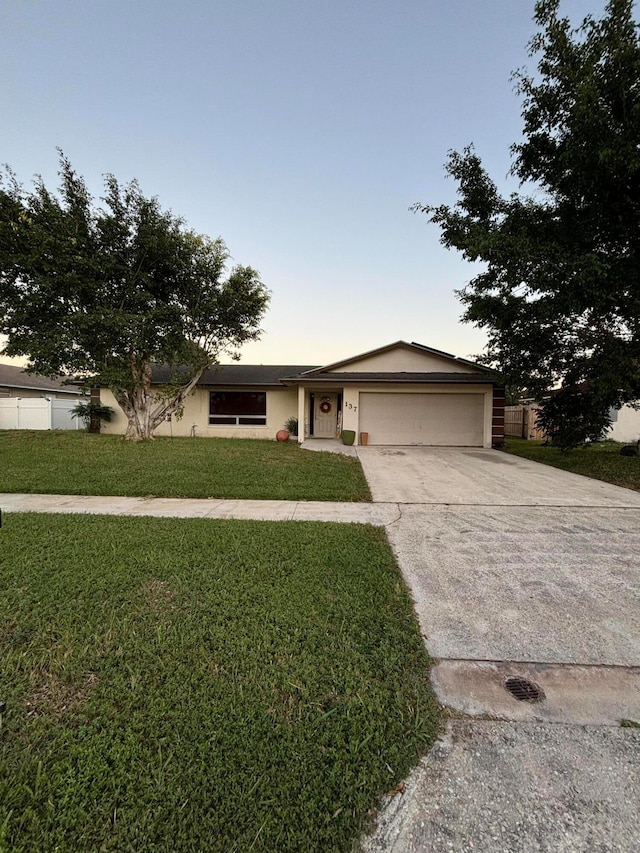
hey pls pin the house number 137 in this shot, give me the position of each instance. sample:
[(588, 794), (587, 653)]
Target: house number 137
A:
[(351, 406)]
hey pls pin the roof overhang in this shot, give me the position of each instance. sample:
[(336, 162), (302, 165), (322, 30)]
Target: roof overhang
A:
[(340, 379)]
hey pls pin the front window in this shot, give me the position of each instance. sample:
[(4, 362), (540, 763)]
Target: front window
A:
[(238, 408)]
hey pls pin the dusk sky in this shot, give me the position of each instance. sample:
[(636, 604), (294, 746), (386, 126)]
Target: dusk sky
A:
[(299, 132)]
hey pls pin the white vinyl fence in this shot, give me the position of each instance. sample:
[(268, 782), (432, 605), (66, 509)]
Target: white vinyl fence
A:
[(38, 413)]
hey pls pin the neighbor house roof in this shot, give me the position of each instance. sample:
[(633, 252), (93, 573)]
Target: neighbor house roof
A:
[(15, 377)]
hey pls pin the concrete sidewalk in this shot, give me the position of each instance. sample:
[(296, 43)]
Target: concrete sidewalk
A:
[(358, 513)]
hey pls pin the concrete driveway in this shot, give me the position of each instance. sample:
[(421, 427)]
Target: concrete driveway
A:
[(479, 477), (508, 559), (518, 570)]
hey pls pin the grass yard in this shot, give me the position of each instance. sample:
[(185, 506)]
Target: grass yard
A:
[(198, 685), (78, 463), (600, 461)]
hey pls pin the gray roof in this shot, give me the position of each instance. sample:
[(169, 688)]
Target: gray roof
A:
[(15, 377), (269, 375), (275, 375)]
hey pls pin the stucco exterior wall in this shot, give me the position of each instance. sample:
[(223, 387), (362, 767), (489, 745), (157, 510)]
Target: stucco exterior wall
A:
[(282, 403), (627, 426), (406, 360)]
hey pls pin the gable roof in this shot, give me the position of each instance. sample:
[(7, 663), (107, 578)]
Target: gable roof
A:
[(457, 358), (15, 377), (277, 375), (397, 345)]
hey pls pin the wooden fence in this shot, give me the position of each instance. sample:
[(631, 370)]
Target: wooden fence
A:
[(520, 421)]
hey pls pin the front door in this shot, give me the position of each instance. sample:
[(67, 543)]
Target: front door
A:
[(325, 415)]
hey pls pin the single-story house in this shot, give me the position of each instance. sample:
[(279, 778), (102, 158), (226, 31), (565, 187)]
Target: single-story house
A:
[(28, 401), (400, 394), (15, 382)]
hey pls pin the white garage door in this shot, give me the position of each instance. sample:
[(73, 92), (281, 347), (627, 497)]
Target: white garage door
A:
[(454, 420)]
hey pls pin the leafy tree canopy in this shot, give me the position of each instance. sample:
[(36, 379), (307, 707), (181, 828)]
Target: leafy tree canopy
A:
[(571, 417), (104, 292), (559, 295)]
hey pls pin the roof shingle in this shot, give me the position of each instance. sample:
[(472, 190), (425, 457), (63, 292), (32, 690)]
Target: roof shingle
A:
[(237, 374), (15, 377)]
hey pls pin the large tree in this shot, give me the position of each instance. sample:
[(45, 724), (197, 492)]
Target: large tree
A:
[(559, 294), (104, 292)]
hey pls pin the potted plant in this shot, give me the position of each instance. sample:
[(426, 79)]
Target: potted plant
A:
[(291, 425)]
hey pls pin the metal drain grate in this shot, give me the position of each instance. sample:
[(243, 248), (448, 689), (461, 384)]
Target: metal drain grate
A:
[(524, 690)]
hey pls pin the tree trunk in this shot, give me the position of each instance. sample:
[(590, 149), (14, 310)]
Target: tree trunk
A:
[(135, 424), (140, 405)]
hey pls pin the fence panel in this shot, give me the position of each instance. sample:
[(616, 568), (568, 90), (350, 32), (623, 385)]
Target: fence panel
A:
[(520, 421), (61, 417), (532, 430), (37, 413), (514, 421), (9, 413), (34, 413)]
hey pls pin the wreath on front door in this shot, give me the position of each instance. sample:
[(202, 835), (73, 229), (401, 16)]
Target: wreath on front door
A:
[(325, 407)]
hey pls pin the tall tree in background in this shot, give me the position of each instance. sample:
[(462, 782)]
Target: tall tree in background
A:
[(106, 292), (560, 292)]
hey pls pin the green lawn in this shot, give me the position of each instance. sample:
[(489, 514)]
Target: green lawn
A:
[(600, 461), (198, 685), (78, 463)]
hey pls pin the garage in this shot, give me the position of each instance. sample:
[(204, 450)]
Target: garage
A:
[(445, 419), (403, 394)]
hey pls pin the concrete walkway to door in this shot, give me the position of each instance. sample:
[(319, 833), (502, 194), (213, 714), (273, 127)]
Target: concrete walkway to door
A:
[(518, 570)]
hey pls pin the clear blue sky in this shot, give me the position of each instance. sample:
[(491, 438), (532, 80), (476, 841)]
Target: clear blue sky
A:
[(299, 132)]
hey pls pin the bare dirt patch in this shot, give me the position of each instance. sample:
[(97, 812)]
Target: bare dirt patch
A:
[(158, 596), (53, 695)]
